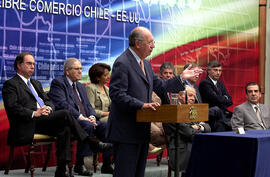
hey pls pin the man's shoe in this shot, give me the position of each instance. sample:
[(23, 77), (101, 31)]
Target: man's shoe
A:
[(107, 169), (89, 163), (60, 173), (81, 171), (156, 150), (97, 146)]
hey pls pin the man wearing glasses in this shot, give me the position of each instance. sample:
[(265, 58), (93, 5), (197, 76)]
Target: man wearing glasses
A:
[(131, 87), (68, 93), (30, 111)]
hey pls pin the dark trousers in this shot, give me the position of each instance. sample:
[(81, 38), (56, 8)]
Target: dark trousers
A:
[(130, 159), (99, 132), (62, 125), (218, 120)]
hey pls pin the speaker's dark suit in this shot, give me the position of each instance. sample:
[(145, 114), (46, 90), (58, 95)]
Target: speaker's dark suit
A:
[(20, 103), (129, 90), (62, 95)]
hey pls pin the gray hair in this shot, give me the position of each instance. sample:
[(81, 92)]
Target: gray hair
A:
[(193, 65), (69, 63), (166, 65)]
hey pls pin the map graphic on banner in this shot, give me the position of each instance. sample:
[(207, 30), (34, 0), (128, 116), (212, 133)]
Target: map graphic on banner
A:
[(97, 31)]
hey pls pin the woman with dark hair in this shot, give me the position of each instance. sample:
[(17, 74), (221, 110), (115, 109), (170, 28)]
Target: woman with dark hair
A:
[(97, 91)]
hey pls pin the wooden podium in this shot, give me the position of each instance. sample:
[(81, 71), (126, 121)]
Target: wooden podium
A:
[(175, 114)]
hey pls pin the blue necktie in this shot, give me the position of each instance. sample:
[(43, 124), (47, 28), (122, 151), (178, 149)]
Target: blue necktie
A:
[(39, 100)]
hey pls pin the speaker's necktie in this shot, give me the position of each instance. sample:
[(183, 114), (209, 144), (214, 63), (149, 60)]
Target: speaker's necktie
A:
[(39, 100), (142, 66)]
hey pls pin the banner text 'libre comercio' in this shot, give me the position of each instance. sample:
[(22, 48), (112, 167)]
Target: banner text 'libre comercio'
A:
[(67, 9)]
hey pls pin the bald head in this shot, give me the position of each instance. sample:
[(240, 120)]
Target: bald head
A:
[(141, 41), (137, 34)]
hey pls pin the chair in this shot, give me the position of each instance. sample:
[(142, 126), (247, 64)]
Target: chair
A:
[(159, 157), (39, 139), (95, 161)]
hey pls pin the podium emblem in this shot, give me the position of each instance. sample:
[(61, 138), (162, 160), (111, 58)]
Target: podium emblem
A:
[(193, 113)]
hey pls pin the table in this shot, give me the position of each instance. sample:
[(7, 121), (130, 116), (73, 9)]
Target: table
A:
[(227, 154)]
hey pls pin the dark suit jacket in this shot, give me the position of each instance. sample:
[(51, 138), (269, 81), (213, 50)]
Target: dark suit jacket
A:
[(215, 96), (62, 95), (129, 90), (245, 116), (186, 134), (19, 104)]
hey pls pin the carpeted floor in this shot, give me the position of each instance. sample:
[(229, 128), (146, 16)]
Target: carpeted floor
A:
[(152, 170)]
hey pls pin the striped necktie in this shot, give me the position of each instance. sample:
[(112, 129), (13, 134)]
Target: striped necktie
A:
[(259, 117), (79, 102)]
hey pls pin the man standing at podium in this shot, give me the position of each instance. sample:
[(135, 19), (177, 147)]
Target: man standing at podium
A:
[(131, 87)]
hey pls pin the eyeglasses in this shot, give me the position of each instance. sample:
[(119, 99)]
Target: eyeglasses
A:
[(148, 43), (77, 69), (30, 63)]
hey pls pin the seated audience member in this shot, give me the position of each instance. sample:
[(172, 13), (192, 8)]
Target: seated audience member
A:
[(217, 118), (98, 92), (186, 132), (192, 82), (166, 71), (67, 92), (157, 141), (30, 111), (214, 92), (251, 115)]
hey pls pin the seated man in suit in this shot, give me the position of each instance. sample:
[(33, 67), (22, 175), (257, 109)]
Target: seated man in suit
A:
[(192, 82), (30, 111), (157, 140), (214, 92), (216, 115), (186, 132), (67, 93), (251, 115), (167, 71)]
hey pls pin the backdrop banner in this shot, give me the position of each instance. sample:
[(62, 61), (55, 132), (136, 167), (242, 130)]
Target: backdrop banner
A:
[(97, 31)]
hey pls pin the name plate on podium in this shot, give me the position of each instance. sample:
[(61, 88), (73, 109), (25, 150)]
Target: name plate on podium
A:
[(174, 113)]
